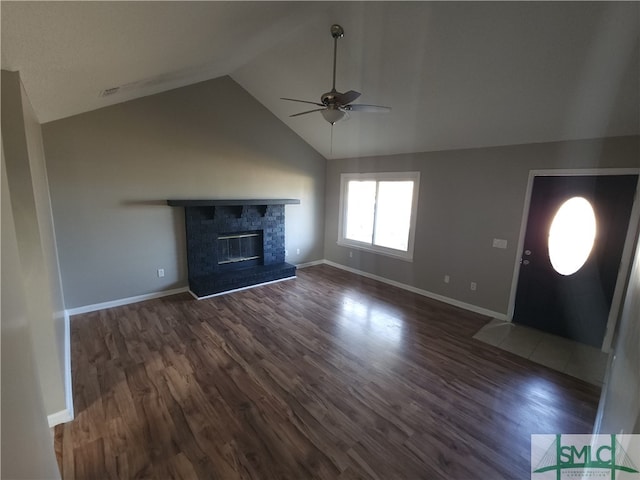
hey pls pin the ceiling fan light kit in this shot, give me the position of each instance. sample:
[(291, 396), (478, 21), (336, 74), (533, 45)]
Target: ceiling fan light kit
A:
[(336, 105), (333, 115)]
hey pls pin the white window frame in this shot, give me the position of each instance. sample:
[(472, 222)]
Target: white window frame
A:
[(345, 178)]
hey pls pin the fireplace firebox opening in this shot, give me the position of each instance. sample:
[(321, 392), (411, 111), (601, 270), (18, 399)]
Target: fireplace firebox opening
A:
[(241, 249)]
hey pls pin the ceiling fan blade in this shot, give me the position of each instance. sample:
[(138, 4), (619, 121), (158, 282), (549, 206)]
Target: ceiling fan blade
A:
[(347, 97), (367, 108), (308, 111), (302, 101)]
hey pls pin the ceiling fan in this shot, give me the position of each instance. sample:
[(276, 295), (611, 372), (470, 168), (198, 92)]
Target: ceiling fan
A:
[(335, 106)]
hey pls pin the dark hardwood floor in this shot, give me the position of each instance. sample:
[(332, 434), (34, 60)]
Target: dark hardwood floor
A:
[(330, 376)]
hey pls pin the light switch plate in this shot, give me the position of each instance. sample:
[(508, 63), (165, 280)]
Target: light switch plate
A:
[(499, 243)]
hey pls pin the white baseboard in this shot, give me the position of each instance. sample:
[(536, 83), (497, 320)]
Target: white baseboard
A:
[(311, 264), (67, 414), (68, 379), (125, 301), (63, 416), (425, 293)]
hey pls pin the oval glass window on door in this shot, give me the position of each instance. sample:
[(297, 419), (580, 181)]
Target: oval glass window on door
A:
[(571, 235)]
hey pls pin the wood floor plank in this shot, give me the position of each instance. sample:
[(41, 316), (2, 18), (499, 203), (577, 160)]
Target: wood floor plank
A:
[(328, 376)]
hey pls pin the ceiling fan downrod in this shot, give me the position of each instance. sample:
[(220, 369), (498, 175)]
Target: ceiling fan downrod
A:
[(336, 32)]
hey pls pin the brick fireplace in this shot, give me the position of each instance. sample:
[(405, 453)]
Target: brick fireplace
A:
[(234, 244)]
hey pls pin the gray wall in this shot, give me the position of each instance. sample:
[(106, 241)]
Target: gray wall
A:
[(619, 409), (467, 198), (111, 170), (27, 447), (40, 275)]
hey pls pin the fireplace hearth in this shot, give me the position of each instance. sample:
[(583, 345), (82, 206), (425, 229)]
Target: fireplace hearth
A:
[(233, 244)]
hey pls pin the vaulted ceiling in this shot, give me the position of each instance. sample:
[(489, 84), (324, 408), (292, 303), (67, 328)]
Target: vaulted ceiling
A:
[(456, 74)]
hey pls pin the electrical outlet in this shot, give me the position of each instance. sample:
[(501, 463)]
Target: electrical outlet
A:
[(297, 251), (446, 279), (350, 254), (474, 286), (161, 272)]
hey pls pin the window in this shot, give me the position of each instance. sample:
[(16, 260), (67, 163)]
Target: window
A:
[(571, 235), (378, 212)]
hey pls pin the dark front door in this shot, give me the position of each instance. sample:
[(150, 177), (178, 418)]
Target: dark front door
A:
[(573, 304)]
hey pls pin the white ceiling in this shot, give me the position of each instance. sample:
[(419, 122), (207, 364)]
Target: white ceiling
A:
[(456, 74)]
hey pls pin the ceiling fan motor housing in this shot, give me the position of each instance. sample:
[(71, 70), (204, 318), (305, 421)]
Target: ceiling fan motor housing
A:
[(337, 31), (330, 98)]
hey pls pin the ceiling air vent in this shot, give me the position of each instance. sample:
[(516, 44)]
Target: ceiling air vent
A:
[(109, 91)]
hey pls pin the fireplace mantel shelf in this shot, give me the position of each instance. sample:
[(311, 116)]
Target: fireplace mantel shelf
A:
[(232, 202)]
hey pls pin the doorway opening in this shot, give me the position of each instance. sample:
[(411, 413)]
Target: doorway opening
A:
[(574, 253)]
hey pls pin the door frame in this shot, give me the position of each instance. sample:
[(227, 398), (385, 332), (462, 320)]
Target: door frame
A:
[(627, 251)]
